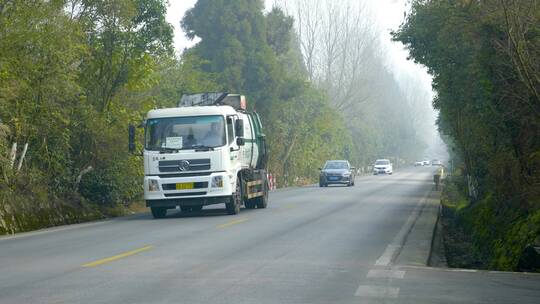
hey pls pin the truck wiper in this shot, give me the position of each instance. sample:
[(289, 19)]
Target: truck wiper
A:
[(202, 148), (168, 149)]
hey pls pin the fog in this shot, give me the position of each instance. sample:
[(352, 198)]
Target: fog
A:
[(348, 52)]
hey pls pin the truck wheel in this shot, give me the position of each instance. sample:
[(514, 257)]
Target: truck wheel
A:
[(262, 201), (159, 212), (233, 206), (250, 204), (196, 208)]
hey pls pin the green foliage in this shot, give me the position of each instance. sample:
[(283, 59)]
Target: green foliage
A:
[(234, 42), (39, 52), (123, 36), (73, 75), (177, 77), (304, 133), (483, 56), (279, 31), (4, 152), (26, 205)]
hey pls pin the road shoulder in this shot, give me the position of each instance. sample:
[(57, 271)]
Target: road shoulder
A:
[(418, 244)]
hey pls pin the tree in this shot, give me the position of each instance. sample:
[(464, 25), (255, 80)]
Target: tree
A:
[(235, 45), (483, 56), (123, 37)]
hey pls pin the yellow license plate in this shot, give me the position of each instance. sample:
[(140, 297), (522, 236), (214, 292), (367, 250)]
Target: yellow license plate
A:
[(185, 186)]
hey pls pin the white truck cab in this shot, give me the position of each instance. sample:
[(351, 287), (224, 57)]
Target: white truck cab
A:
[(208, 150)]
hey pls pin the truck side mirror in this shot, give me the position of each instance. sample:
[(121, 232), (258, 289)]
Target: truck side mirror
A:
[(240, 141), (131, 140), (239, 128)]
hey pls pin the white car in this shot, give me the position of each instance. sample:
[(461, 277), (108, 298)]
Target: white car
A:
[(418, 164), (382, 166)]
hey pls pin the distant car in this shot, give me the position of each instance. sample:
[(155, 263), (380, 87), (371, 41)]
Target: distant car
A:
[(382, 166), (337, 172), (426, 162), (418, 163), (436, 162)]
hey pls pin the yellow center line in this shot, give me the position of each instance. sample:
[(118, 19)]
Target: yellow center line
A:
[(116, 257), (232, 223)]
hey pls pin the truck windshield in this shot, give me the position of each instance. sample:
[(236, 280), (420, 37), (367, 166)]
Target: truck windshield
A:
[(184, 133)]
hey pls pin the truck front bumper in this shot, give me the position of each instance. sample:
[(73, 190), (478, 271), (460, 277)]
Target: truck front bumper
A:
[(203, 192)]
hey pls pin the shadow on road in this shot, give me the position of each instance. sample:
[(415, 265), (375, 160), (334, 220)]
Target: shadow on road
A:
[(175, 214)]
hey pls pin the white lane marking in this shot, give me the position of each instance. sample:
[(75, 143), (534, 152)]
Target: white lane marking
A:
[(52, 230), (372, 291), (409, 267), (392, 250), (386, 258), (387, 274)]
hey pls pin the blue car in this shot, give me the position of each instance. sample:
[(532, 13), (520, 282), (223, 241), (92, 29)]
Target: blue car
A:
[(337, 172)]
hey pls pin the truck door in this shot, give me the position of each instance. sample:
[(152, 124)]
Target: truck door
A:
[(260, 139), (234, 149)]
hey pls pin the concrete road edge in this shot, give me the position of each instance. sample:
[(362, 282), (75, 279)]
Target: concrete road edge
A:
[(418, 247)]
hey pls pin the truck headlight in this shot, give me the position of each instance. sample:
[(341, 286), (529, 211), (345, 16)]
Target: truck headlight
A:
[(153, 185), (217, 182)]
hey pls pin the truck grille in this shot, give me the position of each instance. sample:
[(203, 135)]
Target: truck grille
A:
[(198, 185), (184, 165), (184, 194)]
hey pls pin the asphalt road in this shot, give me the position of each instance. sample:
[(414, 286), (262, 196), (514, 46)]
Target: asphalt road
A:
[(311, 245)]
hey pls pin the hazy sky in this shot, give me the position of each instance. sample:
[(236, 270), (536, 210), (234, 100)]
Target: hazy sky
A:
[(176, 11), (389, 14)]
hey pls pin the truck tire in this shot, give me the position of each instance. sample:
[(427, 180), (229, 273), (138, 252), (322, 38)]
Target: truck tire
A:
[(250, 204), (233, 206), (262, 201), (196, 208), (158, 212)]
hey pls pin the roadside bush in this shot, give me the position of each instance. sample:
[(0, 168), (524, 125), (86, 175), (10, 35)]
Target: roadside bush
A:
[(4, 150), (490, 234), (26, 204), (116, 182)]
